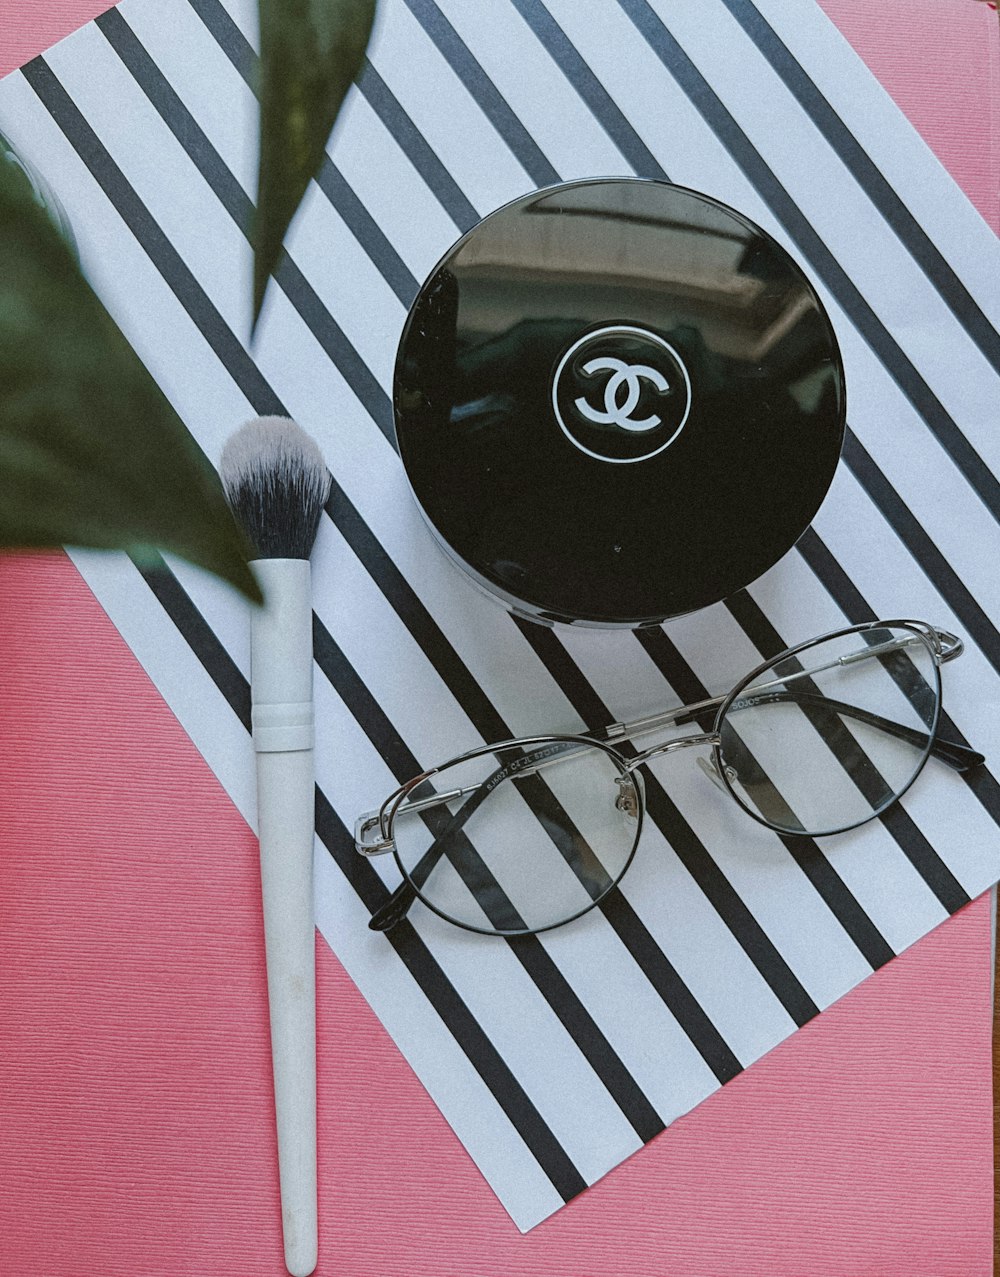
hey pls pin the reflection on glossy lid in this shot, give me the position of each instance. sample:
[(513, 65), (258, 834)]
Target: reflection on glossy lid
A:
[(618, 401)]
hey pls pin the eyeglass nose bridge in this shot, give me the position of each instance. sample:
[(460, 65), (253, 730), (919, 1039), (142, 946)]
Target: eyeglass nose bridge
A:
[(668, 747)]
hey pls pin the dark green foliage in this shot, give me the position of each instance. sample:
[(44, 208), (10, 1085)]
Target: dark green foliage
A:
[(91, 453)]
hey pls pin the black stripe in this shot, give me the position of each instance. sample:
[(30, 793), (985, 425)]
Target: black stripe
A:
[(197, 633), (602, 106), (330, 180), (229, 38), (826, 267), (415, 147), (367, 231), (843, 142), (425, 630), (831, 888), (529, 951), (461, 1023), (717, 889), (155, 244), (454, 50), (542, 1144), (910, 840), (171, 109)]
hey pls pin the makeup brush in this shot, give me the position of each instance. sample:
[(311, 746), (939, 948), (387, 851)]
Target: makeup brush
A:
[(277, 484)]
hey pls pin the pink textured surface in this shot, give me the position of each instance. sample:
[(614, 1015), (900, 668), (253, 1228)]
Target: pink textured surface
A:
[(940, 60), (136, 1128)]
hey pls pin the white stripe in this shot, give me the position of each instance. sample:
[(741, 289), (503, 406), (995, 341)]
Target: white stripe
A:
[(938, 495), (462, 1096), (162, 175), (199, 706), (449, 116), (874, 868), (545, 102), (707, 955), (208, 83)]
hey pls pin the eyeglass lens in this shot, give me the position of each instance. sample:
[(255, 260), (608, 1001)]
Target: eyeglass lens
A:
[(826, 739), (519, 839)]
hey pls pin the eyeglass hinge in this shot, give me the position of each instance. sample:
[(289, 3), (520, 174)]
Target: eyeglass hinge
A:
[(948, 646), (368, 838)]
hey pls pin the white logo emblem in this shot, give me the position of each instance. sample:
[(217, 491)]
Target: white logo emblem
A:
[(627, 376), (639, 365)]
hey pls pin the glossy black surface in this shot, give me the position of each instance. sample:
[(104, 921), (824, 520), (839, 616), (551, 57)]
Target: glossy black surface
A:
[(618, 401)]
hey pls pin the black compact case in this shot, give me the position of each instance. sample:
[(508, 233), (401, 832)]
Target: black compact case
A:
[(618, 401)]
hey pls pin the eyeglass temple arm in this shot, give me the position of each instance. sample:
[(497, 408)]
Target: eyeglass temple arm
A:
[(960, 757), (398, 905), (948, 646), (395, 908)]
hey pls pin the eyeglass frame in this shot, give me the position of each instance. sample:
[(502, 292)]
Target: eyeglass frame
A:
[(942, 645)]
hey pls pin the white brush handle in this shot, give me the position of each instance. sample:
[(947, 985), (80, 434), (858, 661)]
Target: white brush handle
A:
[(282, 656)]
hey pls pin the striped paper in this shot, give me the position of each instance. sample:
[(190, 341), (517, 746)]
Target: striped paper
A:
[(554, 1057)]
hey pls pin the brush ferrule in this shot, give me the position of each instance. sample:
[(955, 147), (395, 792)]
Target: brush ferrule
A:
[(278, 728), (281, 656)]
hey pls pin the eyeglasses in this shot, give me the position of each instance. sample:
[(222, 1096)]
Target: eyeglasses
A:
[(521, 836)]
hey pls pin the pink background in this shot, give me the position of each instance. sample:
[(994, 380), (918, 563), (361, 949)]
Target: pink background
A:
[(136, 1124)]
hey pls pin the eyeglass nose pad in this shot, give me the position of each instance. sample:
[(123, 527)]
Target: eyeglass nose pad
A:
[(631, 796), (711, 769)]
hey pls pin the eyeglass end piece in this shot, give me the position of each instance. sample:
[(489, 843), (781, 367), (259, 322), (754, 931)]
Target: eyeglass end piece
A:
[(949, 646), (368, 837)]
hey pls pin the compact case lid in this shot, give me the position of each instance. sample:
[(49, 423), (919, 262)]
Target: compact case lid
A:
[(618, 401)]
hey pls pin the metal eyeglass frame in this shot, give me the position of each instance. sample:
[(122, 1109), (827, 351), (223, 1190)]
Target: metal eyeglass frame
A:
[(373, 830)]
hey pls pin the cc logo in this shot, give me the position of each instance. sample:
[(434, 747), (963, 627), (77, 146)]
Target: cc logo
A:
[(621, 393), (627, 376)]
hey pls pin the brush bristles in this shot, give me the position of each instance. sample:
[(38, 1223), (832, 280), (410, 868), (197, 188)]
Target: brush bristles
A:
[(277, 484)]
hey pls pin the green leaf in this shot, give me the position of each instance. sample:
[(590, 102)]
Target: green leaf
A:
[(310, 51), (91, 452)]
